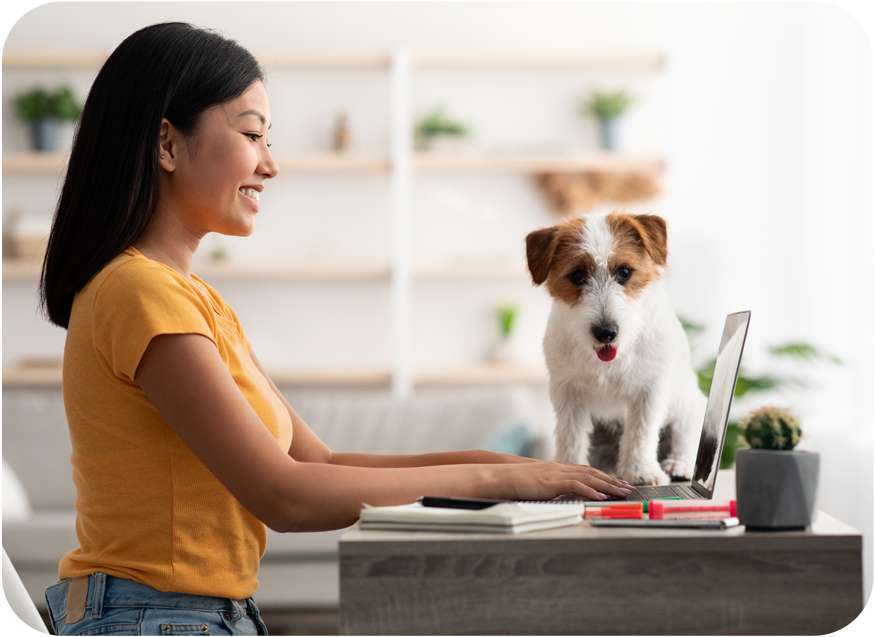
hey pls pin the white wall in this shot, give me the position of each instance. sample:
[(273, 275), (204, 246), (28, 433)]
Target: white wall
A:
[(763, 112)]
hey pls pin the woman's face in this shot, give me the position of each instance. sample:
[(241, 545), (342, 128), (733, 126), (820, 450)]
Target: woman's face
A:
[(212, 179)]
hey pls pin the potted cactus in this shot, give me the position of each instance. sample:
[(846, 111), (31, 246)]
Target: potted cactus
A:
[(775, 484)]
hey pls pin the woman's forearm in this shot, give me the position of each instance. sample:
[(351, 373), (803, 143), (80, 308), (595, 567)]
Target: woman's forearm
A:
[(471, 456)]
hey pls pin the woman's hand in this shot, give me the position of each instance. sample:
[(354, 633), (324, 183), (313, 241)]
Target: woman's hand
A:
[(547, 480)]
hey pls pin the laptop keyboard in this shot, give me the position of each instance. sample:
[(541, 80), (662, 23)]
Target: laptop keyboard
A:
[(641, 494)]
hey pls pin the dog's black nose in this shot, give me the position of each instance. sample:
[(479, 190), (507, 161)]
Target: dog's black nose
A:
[(604, 333)]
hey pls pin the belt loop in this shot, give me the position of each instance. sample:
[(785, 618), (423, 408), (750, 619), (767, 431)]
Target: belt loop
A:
[(99, 580)]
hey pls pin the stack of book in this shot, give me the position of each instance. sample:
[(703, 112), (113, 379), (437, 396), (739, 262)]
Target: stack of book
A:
[(506, 517)]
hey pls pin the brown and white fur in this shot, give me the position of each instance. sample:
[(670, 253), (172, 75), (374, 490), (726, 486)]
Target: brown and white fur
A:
[(618, 357)]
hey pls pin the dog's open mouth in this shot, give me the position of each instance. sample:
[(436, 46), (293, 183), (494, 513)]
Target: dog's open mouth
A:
[(607, 353)]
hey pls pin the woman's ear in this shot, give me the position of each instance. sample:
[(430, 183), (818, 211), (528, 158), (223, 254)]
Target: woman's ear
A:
[(168, 143)]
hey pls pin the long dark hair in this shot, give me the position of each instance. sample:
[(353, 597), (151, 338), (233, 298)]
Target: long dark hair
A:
[(171, 70)]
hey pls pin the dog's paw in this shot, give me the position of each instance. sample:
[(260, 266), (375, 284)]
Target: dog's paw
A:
[(645, 476), (677, 469)]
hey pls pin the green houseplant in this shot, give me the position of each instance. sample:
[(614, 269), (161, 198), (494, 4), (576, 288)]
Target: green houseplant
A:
[(504, 350), (775, 484), (45, 111), (438, 131), (607, 108)]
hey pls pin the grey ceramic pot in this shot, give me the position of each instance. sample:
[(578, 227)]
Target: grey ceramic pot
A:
[(776, 489), (45, 133)]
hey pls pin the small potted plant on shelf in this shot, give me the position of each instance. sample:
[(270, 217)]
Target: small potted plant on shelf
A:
[(504, 351), (607, 108), (775, 484), (45, 111), (438, 132)]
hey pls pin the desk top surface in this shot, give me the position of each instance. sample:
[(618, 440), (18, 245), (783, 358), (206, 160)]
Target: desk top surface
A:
[(825, 528)]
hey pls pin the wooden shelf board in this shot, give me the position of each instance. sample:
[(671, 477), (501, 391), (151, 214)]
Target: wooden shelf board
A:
[(476, 271), (590, 162), (517, 60), (288, 59), (21, 269), (34, 162), (49, 375), (334, 163), (322, 60), (53, 59), (481, 375), (293, 272)]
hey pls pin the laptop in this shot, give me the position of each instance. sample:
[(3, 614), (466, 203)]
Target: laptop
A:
[(701, 486)]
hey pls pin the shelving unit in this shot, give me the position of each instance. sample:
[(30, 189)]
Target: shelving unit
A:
[(401, 271)]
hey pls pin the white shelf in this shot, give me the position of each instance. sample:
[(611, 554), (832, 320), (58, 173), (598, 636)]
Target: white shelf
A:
[(47, 374)]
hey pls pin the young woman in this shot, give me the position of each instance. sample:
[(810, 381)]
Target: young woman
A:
[(183, 448)]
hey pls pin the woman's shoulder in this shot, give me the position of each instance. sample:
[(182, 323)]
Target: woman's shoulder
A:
[(130, 268)]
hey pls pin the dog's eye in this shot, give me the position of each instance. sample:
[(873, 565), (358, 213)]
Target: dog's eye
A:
[(623, 274), (577, 277)]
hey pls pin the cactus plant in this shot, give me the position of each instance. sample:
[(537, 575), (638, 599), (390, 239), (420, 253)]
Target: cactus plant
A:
[(770, 427)]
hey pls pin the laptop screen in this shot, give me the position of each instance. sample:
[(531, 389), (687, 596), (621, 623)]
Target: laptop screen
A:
[(719, 402)]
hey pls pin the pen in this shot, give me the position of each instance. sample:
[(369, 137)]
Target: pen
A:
[(458, 503), (693, 509)]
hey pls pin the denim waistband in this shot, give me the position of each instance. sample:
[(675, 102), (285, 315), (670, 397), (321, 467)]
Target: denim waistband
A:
[(109, 591)]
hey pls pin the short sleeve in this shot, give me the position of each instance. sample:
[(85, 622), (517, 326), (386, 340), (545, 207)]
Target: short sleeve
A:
[(138, 301)]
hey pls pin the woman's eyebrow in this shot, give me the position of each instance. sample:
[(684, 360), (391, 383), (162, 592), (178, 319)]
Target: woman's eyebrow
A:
[(257, 113)]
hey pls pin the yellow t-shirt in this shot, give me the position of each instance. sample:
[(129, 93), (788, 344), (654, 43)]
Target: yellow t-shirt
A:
[(147, 508)]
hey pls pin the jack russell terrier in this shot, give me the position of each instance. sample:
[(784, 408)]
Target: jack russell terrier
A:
[(626, 397)]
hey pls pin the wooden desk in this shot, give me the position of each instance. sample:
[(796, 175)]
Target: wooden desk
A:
[(605, 581)]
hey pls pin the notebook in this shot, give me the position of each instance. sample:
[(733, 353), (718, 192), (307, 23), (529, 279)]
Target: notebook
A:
[(505, 517), (716, 420)]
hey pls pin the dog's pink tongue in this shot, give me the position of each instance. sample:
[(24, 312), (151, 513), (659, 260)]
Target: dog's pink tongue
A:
[(607, 353)]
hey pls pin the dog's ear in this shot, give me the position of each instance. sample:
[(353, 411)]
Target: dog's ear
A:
[(654, 234), (540, 247)]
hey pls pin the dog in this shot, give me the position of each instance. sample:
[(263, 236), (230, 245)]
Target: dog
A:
[(625, 395)]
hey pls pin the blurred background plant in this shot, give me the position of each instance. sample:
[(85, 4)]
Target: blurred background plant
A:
[(751, 384), (45, 110), (439, 128), (608, 109)]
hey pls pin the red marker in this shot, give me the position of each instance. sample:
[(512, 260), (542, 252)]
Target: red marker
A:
[(692, 509), (618, 511)]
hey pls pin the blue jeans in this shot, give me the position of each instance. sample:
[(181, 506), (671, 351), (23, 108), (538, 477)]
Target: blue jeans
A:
[(118, 606)]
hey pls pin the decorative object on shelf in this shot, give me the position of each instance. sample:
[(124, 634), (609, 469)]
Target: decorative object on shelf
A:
[(776, 485), (504, 351), (341, 133), (24, 237), (575, 193), (438, 132), (607, 109), (218, 253), (45, 111)]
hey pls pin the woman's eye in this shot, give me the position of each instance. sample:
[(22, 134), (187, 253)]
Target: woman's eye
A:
[(255, 137), (623, 274), (577, 277)]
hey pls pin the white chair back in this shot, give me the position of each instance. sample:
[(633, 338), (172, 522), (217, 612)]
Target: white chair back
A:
[(19, 616)]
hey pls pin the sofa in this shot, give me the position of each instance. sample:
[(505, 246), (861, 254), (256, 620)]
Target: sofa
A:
[(298, 570)]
